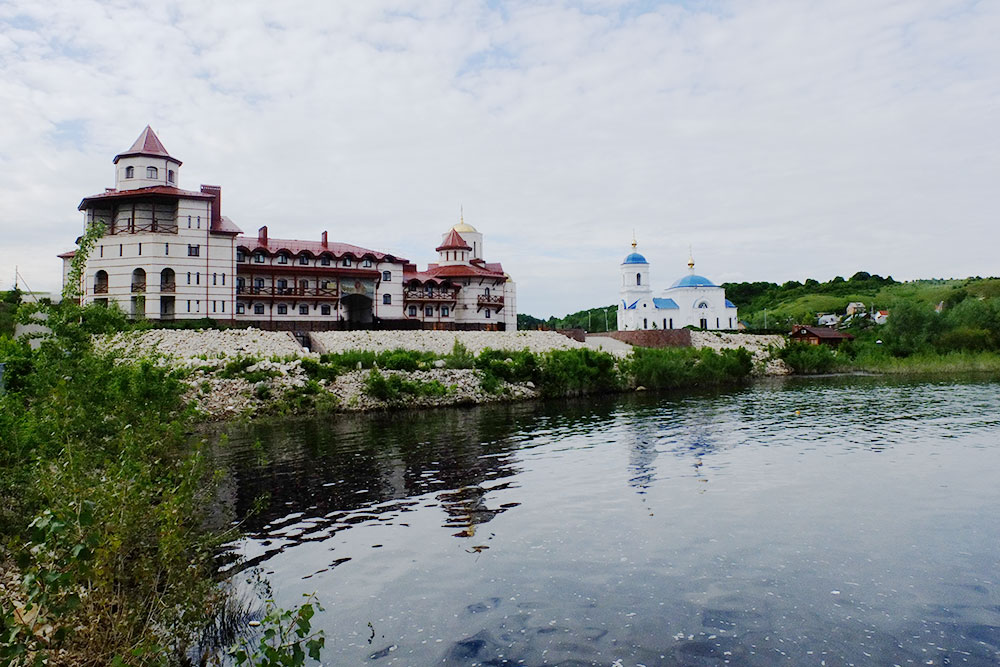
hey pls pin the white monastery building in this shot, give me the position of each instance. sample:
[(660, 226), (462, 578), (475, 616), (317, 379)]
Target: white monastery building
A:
[(170, 254), (692, 300)]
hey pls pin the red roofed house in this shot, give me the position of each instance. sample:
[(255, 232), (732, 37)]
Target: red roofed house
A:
[(170, 254), (818, 335)]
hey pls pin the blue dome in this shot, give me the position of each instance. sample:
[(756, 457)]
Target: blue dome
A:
[(693, 281), (635, 258)]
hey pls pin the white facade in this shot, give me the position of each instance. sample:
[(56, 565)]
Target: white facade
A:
[(692, 300), (168, 253)]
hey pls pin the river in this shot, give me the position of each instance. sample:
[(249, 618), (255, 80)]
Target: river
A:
[(824, 521)]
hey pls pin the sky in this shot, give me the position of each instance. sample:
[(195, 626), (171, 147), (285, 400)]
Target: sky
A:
[(776, 139)]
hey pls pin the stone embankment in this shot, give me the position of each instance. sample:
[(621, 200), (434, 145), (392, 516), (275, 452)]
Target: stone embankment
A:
[(242, 372), (759, 346), (440, 342)]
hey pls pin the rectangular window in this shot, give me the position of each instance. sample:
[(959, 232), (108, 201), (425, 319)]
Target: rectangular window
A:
[(282, 259), (487, 313), (215, 279), (258, 309), (194, 250), (259, 258), (213, 305), (189, 222), (197, 277), (199, 222), (671, 320), (140, 249), (386, 276), (102, 251), (282, 309), (166, 248), (240, 308), (121, 250), (189, 305), (386, 299), (429, 311), (346, 262), (303, 260), (189, 277), (325, 310), (367, 263), (223, 306), (413, 311), (197, 306), (444, 311), (325, 261), (240, 256), (223, 278), (303, 309)]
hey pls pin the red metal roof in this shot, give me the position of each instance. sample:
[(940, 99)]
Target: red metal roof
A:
[(819, 332), (453, 241), (166, 190), (315, 248), (465, 271), (225, 226), (147, 144), (67, 255)]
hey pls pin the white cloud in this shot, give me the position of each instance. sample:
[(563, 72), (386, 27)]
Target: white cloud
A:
[(782, 140)]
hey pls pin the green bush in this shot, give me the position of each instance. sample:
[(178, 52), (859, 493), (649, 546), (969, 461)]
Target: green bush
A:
[(578, 370), (393, 388), (673, 367), (804, 358)]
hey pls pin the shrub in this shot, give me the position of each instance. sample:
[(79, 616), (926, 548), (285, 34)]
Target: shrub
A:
[(577, 370), (804, 358)]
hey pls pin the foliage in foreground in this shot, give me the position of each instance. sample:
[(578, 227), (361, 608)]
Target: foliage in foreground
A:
[(104, 505)]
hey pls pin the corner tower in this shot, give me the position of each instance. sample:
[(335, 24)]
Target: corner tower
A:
[(146, 164)]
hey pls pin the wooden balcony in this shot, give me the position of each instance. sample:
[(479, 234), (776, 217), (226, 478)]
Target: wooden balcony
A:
[(155, 225), (328, 293), (139, 286), (168, 287), (101, 288), (490, 302), (432, 296)]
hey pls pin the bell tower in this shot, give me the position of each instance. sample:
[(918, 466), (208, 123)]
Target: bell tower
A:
[(635, 291)]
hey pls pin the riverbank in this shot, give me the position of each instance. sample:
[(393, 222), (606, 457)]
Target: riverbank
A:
[(242, 373)]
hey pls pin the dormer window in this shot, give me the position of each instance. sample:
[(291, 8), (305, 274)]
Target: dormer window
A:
[(367, 263), (170, 176), (303, 260), (258, 258), (282, 258), (241, 256), (325, 261), (346, 262), (151, 172), (129, 172)]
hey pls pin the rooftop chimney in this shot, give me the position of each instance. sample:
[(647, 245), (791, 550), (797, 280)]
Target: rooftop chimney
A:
[(216, 192), (323, 239), (262, 235)]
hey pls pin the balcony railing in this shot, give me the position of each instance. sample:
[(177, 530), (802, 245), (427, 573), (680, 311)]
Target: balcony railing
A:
[(168, 287), (289, 292), (432, 295), (139, 286), (101, 289), (490, 301), (155, 225)]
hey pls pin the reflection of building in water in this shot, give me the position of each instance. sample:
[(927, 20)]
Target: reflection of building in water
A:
[(641, 456), (466, 508)]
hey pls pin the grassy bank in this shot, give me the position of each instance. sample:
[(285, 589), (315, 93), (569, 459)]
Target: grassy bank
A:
[(870, 357)]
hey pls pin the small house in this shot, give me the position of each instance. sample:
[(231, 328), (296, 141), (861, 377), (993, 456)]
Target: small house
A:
[(818, 335)]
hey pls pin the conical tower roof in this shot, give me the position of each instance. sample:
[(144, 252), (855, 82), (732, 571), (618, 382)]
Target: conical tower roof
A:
[(147, 144), (453, 241)]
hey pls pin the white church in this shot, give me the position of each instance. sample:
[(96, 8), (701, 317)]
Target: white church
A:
[(692, 300)]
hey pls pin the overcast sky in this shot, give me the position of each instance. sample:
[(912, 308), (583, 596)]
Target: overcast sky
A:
[(781, 140)]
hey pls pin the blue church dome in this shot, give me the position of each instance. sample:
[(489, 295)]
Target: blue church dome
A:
[(635, 258), (693, 280)]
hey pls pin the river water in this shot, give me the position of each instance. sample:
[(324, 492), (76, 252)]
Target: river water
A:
[(830, 521)]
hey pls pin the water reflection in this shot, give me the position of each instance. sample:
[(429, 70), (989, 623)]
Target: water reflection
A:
[(845, 521)]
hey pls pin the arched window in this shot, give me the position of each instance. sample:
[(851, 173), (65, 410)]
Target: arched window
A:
[(282, 258), (346, 262), (638, 279), (101, 282), (151, 172), (129, 172), (703, 304), (304, 260)]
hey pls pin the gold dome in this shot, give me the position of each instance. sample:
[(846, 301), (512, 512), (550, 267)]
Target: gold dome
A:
[(462, 226)]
